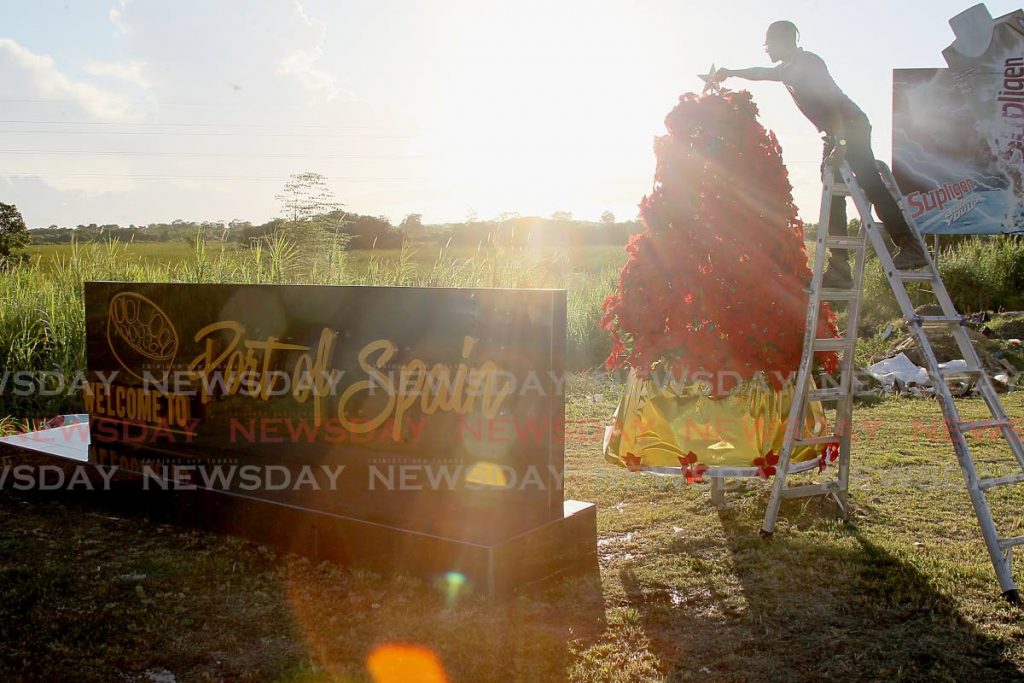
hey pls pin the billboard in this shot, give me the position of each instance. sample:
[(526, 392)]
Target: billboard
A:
[(958, 132)]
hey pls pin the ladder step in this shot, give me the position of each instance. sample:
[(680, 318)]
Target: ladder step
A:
[(831, 394), (986, 484), (840, 189), (915, 275), (936, 320), (1005, 543), (983, 424), (811, 490), (839, 242), (834, 344), (829, 294)]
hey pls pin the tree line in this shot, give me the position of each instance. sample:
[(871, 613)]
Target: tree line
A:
[(362, 232), (310, 214)]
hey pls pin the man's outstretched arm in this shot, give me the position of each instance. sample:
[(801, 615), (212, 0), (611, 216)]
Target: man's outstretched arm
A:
[(757, 73)]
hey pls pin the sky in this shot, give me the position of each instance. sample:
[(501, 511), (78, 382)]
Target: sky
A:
[(142, 111)]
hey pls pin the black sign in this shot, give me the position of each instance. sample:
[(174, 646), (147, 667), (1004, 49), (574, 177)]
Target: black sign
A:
[(434, 410)]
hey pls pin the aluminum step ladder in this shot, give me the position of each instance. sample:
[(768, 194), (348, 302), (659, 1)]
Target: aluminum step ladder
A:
[(950, 322)]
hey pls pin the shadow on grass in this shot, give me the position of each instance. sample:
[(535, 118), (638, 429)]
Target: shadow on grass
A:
[(89, 591), (807, 606)]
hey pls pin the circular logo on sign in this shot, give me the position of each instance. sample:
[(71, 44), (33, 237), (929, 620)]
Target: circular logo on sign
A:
[(139, 331)]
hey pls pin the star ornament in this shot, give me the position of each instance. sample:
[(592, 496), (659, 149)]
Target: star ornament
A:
[(712, 83)]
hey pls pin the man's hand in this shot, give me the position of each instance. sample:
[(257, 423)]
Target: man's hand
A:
[(757, 73)]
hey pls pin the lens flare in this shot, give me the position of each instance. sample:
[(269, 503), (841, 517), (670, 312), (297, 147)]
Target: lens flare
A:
[(401, 663), (452, 584)]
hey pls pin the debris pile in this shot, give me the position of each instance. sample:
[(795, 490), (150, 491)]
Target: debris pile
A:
[(996, 340)]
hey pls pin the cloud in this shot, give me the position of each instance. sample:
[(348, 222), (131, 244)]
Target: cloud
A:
[(30, 75), (272, 50), (116, 13), (301, 63), (129, 72)]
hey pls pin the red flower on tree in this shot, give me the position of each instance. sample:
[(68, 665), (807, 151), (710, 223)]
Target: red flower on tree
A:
[(766, 465), (716, 281), (828, 454), (633, 462), (686, 467)]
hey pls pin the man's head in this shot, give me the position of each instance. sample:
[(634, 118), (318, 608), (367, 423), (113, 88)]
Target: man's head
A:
[(780, 41)]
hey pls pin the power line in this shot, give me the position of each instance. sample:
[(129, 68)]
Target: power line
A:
[(88, 152), (149, 176), (186, 125), (261, 104), (316, 136)]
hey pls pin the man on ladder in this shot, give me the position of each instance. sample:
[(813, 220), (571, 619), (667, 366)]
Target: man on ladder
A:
[(858, 175), (847, 131)]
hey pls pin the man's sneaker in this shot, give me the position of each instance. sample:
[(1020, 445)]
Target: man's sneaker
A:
[(910, 257), (837, 278)]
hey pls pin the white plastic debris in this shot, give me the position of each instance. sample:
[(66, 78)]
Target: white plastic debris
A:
[(953, 366), (898, 368), (901, 372), (160, 676)]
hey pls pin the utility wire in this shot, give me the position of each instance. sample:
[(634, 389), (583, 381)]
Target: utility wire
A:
[(148, 176), (63, 122), (87, 152), (314, 136)]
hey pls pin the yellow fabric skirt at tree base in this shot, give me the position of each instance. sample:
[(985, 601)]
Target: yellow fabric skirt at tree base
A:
[(679, 429)]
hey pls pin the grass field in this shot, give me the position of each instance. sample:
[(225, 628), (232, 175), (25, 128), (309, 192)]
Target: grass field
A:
[(147, 252), (588, 258), (905, 592)]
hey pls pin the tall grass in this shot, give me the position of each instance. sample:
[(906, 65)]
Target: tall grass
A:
[(981, 273), (42, 312), (42, 317), (985, 273)]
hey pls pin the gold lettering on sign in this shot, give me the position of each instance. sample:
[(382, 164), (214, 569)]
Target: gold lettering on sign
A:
[(248, 362), (436, 388), (247, 366), (136, 404)]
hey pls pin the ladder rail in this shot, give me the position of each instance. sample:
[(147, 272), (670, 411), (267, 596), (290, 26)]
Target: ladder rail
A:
[(998, 554), (839, 180), (844, 409), (963, 340), (798, 407)]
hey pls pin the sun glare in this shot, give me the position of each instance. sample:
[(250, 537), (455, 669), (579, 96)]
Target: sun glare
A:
[(528, 118)]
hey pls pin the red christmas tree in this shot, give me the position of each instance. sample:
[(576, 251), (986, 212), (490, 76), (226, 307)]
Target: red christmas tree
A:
[(716, 281)]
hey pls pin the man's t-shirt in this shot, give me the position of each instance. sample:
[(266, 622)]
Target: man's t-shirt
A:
[(816, 94)]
